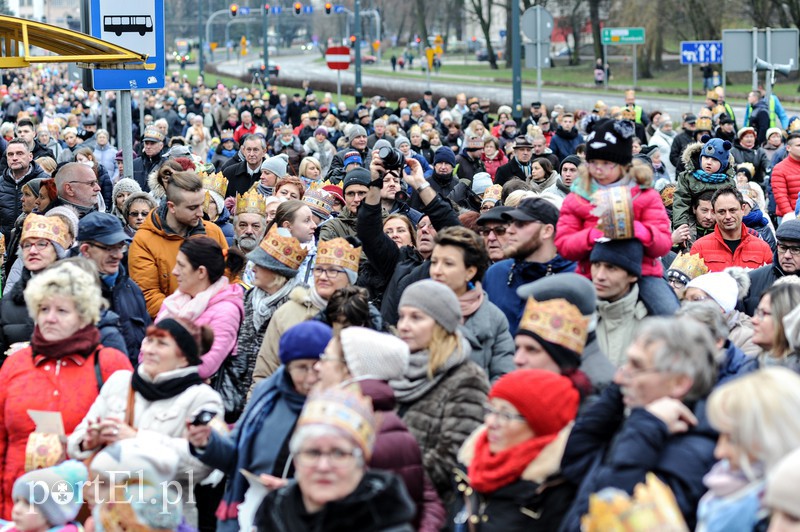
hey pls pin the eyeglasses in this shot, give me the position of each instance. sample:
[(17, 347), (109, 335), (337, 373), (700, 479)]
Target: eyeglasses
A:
[(498, 230), (91, 184), (324, 357), (300, 370), (760, 313), (138, 214), (330, 273), (793, 250), (336, 457), (505, 417), (676, 283), (121, 248), (630, 372), (40, 245)]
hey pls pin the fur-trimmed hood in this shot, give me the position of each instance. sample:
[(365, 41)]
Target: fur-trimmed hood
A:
[(543, 466), (691, 159)]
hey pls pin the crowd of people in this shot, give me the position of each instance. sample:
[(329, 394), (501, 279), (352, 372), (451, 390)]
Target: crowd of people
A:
[(412, 315)]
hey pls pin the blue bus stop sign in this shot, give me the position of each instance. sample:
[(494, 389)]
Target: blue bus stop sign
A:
[(137, 26)]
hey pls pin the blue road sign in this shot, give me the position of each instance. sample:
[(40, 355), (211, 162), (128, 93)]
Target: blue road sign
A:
[(308, 10), (276, 10), (701, 52), (137, 26), (338, 9), (244, 10), (503, 34)]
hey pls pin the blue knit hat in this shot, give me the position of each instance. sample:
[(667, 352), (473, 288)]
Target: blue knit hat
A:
[(716, 149), (306, 340), (444, 155)]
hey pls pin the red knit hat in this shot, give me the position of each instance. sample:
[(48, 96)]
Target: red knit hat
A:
[(548, 401)]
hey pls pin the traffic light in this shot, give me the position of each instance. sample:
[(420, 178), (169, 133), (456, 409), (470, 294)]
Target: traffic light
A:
[(352, 41), (266, 8), (234, 9), (298, 7), (328, 7)]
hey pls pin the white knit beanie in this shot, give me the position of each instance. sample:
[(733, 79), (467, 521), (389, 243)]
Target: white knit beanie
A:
[(720, 287), (373, 354)]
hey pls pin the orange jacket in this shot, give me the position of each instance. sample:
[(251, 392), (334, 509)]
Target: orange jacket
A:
[(153, 253), (752, 252)]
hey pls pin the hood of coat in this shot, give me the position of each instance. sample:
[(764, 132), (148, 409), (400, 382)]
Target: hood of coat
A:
[(691, 159), (380, 392)]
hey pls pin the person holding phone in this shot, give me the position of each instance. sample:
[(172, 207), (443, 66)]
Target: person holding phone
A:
[(155, 400)]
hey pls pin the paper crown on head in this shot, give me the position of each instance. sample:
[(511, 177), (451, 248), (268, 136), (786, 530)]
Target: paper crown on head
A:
[(285, 249), (251, 202), (558, 321), (345, 409), (703, 124), (493, 193), (48, 227), (216, 183), (687, 266), (339, 252), (319, 201)]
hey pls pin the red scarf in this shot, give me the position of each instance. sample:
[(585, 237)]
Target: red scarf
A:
[(82, 343), (488, 472)]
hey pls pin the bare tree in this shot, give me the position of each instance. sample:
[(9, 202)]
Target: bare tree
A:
[(481, 11)]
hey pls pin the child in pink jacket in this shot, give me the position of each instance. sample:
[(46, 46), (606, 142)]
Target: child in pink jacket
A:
[(609, 156)]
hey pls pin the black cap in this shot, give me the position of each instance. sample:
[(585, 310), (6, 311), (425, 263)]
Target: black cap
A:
[(690, 118), (356, 176), (495, 214), (428, 93), (536, 104), (533, 210), (102, 227), (89, 121)]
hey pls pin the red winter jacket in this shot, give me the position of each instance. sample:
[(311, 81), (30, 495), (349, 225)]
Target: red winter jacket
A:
[(577, 231), (785, 185), (67, 385), (752, 252)]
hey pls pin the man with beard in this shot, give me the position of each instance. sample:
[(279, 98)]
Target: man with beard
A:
[(531, 253), (703, 224), (566, 138), (249, 227)]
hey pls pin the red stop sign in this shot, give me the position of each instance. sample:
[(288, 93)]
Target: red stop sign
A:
[(338, 57)]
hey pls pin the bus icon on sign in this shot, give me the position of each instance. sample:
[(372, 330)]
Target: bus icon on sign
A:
[(119, 24)]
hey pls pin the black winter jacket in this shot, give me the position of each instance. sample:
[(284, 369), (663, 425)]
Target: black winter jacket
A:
[(143, 166), (379, 503), (609, 449), (11, 197), (761, 279), (127, 300)]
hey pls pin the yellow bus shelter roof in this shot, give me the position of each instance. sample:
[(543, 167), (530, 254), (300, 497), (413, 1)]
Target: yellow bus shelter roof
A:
[(18, 36)]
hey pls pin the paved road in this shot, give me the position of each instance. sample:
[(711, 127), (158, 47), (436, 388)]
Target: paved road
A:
[(299, 67)]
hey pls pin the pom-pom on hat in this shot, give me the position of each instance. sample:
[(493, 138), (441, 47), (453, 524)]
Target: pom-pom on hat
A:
[(611, 140), (717, 149)]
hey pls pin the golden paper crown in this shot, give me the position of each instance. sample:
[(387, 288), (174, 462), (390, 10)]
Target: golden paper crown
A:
[(558, 321), (285, 249), (493, 193), (690, 265), (216, 183), (251, 202), (50, 228), (2, 245), (712, 95), (347, 410), (339, 252), (703, 124), (628, 114)]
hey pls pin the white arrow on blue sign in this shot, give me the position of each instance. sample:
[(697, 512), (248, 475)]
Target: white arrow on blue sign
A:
[(276, 10), (244, 10), (701, 52)]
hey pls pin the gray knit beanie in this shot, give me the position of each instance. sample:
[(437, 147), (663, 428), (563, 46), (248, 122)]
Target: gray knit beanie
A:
[(277, 165), (436, 300), (372, 354), (126, 184)]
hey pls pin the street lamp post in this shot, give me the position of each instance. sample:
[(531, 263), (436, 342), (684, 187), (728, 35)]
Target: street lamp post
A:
[(357, 24)]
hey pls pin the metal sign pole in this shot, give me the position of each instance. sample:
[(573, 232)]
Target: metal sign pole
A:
[(635, 65), (125, 132), (339, 85), (538, 54), (691, 90), (103, 110), (516, 66), (605, 65), (753, 60)]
